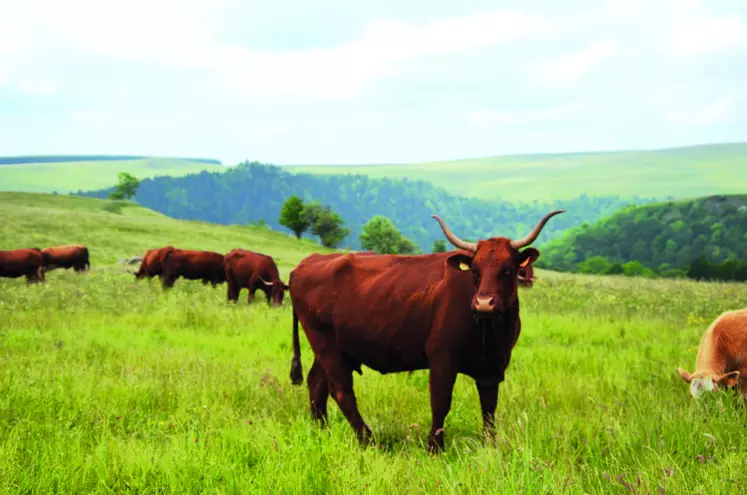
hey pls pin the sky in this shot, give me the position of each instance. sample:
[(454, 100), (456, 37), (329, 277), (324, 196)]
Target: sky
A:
[(385, 81)]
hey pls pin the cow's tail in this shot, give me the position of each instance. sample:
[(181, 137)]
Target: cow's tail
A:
[(296, 373)]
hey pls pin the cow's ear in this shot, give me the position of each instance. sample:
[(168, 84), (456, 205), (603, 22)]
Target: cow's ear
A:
[(529, 255), (684, 375), (460, 261), (727, 379), (285, 286)]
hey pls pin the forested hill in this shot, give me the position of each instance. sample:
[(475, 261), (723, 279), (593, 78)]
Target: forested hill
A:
[(661, 236), (254, 192)]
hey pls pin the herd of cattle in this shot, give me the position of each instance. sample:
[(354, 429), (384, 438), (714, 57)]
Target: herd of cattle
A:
[(453, 312)]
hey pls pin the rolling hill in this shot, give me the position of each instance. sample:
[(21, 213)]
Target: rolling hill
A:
[(69, 173), (116, 230), (254, 192), (661, 236), (684, 172)]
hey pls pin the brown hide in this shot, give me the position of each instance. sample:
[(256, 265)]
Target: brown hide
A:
[(72, 256), (152, 263), (253, 271), (23, 262), (451, 313), (192, 265), (722, 355)]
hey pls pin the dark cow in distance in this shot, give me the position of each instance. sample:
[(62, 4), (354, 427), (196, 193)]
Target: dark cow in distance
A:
[(253, 271), (152, 263), (70, 256), (451, 313), (192, 265), (23, 262)]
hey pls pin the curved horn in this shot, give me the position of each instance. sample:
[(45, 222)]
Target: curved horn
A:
[(530, 238), (268, 284), (467, 246)]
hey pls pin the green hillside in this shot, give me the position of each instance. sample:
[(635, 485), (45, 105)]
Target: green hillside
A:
[(116, 230), (75, 175), (108, 385), (680, 172), (661, 236)]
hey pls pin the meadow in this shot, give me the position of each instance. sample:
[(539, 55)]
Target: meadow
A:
[(64, 177), (108, 385), (681, 172)]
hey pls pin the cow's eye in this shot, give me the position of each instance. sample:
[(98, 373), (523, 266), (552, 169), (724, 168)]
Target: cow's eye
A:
[(507, 272), (475, 276)]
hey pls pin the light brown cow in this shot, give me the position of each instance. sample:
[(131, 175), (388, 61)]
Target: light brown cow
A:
[(722, 356)]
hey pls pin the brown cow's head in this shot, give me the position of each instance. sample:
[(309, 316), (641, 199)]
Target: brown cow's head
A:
[(277, 290), (494, 266), (701, 382)]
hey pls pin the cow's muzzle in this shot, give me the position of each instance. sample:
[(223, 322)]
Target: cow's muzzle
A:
[(484, 305)]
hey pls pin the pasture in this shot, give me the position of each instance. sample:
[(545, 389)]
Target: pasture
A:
[(680, 172), (65, 177), (109, 385)]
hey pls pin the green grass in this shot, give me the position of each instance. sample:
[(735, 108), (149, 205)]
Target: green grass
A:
[(64, 177), (107, 385), (680, 172)]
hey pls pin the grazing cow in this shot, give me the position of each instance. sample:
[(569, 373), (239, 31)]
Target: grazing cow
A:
[(152, 263), (526, 273), (454, 312), (722, 356), (20, 262), (71, 256), (253, 271), (192, 265)]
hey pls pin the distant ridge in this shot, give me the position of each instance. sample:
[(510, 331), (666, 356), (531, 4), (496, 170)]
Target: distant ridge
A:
[(16, 160)]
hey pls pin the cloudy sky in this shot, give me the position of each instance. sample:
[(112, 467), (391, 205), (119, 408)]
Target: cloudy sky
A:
[(343, 81)]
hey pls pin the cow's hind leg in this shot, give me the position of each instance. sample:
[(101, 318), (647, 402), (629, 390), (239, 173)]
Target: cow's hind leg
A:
[(318, 392), (340, 379)]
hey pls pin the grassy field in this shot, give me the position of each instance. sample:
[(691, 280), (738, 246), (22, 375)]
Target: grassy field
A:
[(108, 385), (680, 172), (64, 177)]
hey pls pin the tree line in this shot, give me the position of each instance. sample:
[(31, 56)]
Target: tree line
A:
[(255, 193), (705, 238)]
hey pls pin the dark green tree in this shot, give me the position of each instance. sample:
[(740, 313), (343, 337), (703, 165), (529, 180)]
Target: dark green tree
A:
[(325, 223), (439, 246), (126, 186), (292, 217), (381, 235)]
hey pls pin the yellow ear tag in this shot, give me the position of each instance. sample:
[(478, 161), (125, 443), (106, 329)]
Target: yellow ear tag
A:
[(525, 262), (463, 266)]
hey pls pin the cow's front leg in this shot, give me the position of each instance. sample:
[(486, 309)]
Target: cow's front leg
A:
[(441, 386), (488, 392)]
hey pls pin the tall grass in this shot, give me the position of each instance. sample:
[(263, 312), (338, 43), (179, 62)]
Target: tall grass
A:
[(107, 385)]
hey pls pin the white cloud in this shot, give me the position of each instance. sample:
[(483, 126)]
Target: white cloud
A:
[(186, 35), (711, 113), (701, 34), (536, 116), (38, 87), (90, 116), (572, 67), (624, 8)]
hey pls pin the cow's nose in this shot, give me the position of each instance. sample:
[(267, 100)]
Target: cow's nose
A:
[(484, 304)]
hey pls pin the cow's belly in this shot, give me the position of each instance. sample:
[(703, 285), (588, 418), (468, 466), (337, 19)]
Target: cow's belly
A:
[(385, 349)]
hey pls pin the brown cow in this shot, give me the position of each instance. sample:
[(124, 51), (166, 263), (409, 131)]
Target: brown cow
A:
[(451, 313), (253, 271), (70, 256), (152, 263), (20, 262), (192, 265), (722, 356), (526, 273)]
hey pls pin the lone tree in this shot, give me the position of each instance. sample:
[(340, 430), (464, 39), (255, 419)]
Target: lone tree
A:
[(325, 223), (292, 217), (126, 186), (381, 235), (439, 246)]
